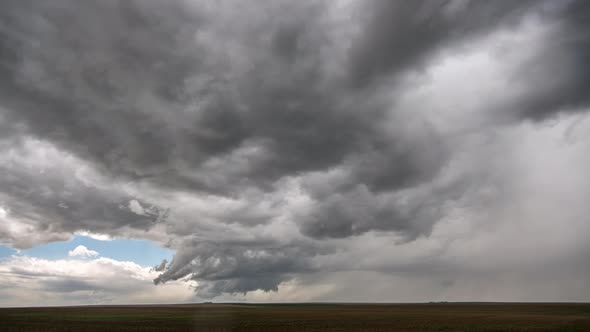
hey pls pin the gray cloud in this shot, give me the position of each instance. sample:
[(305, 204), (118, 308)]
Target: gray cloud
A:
[(68, 286), (102, 99), (161, 267), (358, 211), (239, 266), (402, 35), (273, 131), (49, 190), (559, 68)]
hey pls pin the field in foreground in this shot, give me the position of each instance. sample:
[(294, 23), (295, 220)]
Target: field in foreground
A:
[(302, 317)]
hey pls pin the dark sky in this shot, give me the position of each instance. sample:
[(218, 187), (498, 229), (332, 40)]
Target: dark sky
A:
[(347, 150)]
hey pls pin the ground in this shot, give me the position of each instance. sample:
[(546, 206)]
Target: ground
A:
[(303, 317)]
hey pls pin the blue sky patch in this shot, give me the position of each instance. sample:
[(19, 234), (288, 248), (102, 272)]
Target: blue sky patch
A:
[(6, 251), (142, 252)]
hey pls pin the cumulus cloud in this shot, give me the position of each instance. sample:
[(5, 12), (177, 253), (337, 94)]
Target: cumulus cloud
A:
[(82, 251), (262, 141), (28, 281)]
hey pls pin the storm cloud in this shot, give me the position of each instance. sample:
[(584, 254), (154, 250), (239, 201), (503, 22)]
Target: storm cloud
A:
[(261, 140)]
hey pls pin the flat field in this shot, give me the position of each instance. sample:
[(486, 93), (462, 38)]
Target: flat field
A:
[(303, 317)]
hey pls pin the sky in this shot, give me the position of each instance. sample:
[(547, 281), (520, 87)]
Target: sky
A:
[(287, 151)]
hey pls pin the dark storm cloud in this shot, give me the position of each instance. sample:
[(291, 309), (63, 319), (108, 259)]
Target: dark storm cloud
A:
[(402, 35), (231, 99), (69, 72), (132, 91), (55, 199), (560, 69), (358, 211), (239, 266), (161, 267)]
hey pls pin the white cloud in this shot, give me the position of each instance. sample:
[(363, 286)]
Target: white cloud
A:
[(136, 207), (95, 236), (32, 281), (82, 251)]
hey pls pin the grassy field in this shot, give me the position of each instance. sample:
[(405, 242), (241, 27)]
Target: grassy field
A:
[(302, 317)]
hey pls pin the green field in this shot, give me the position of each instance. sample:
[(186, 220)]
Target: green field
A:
[(303, 317)]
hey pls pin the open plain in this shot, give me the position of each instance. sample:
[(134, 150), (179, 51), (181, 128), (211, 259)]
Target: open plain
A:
[(303, 317)]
